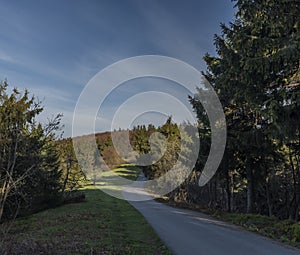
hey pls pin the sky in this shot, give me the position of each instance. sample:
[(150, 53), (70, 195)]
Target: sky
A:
[(54, 48)]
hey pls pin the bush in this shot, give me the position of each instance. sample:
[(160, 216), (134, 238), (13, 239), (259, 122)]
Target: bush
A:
[(74, 196), (296, 232)]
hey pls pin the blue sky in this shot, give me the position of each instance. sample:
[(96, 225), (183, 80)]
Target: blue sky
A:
[(53, 48)]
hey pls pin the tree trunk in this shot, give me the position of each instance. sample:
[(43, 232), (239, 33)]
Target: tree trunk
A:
[(67, 177), (294, 203), (269, 202), (298, 186), (3, 196), (228, 191), (250, 192)]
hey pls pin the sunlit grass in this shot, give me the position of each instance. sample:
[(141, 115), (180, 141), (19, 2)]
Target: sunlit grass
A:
[(127, 171), (110, 180)]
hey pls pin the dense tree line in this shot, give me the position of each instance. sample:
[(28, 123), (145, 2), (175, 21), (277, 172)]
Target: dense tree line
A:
[(170, 148), (256, 75)]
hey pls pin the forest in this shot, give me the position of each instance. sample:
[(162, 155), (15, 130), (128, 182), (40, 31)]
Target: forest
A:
[(256, 75)]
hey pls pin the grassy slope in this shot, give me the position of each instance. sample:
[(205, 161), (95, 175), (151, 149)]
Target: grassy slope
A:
[(101, 225)]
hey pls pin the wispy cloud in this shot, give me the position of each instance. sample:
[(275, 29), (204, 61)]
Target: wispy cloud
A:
[(5, 57), (54, 48), (169, 35)]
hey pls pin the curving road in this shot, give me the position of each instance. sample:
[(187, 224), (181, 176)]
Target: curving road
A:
[(187, 232)]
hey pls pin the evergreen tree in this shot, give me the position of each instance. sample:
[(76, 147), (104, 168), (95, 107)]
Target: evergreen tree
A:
[(29, 174), (256, 75)]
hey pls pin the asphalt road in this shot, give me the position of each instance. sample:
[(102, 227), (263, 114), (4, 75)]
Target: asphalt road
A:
[(186, 232)]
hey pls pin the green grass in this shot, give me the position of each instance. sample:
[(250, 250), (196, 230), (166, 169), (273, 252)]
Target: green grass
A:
[(101, 225), (286, 231), (127, 171)]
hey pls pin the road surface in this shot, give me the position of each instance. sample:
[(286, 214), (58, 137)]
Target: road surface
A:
[(187, 232)]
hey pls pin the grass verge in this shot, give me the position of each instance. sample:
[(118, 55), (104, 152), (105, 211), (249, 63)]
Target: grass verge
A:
[(286, 231), (101, 225)]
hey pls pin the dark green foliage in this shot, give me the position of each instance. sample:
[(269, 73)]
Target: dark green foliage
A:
[(140, 138), (73, 196), (172, 138), (29, 172), (256, 76), (283, 230), (72, 176), (170, 153)]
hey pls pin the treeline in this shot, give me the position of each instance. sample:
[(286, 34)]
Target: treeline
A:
[(256, 75)]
